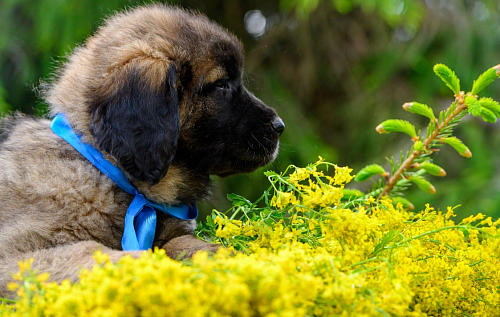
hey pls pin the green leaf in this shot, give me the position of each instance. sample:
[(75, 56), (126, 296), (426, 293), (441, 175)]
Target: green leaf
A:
[(405, 202), (270, 173), (390, 236), (473, 106), (488, 116), (419, 108), (396, 125), (210, 221), (350, 194), (491, 105), (432, 169), (484, 80), (448, 77), (238, 200), (343, 6), (423, 184), (458, 146), (369, 171)]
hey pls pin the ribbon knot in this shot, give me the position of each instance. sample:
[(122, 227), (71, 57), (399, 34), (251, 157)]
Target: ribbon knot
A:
[(140, 219)]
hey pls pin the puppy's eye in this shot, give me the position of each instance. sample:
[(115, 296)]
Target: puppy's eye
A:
[(222, 84)]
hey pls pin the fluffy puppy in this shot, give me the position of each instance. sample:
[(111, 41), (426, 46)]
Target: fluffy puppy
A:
[(158, 91)]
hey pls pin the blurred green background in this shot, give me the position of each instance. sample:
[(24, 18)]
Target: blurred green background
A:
[(332, 69)]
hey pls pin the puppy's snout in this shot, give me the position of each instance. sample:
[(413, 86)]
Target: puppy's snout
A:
[(278, 125)]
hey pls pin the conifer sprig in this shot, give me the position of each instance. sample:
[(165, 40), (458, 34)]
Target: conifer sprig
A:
[(416, 162), (406, 165)]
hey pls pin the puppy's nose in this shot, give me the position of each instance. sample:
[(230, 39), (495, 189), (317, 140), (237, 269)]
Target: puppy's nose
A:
[(278, 125)]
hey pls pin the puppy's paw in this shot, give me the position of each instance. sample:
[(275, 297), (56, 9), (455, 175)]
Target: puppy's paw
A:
[(184, 247)]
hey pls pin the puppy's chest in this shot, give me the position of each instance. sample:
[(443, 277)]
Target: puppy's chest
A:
[(52, 195), (97, 214), (92, 207)]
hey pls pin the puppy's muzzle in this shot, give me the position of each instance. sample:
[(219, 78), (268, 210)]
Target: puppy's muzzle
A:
[(278, 125)]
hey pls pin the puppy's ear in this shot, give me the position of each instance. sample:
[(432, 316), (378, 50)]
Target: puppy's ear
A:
[(135, 117)]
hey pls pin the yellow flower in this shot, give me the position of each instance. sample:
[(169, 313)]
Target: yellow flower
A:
[(283, 199), (42, 277), (13, 286), (370, 200), (299, 175), (487, 221), (100, 257), (342, 175), (25, 265), (449, 213), (320, 258)]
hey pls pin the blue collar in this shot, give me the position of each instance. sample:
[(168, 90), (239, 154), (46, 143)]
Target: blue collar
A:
[(140, 219)]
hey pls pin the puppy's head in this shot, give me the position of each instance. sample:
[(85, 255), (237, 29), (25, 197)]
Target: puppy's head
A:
[(158, 86)]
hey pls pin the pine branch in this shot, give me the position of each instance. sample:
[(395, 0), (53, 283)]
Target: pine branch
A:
[(411, 166), (443, 129)]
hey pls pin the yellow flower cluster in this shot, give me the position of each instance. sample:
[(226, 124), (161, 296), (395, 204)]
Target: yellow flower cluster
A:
[(310, 255), (308, 188)]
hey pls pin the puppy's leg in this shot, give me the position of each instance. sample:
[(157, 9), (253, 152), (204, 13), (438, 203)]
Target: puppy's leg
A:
[(62, 262), (187, 245)]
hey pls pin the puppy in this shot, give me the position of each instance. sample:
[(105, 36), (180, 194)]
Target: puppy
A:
[(157, 92)]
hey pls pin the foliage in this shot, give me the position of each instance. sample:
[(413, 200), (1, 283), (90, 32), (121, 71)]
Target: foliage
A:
[(35, 33), (416, 162), (332, 75), (395, 12), (361, 68), (358, 254), (307, 252)]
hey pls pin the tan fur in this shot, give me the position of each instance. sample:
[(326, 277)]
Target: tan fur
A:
[(60, 262), (58, 208), (215, 74), (157, 48)]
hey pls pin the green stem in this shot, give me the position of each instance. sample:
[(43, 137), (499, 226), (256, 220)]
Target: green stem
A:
[(365, 261), (7, 300), (446, 228)]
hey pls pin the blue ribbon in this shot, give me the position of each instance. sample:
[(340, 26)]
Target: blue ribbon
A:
[(140, 219)]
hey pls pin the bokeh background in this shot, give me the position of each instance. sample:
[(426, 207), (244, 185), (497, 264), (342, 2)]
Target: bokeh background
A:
[(333, 69)]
